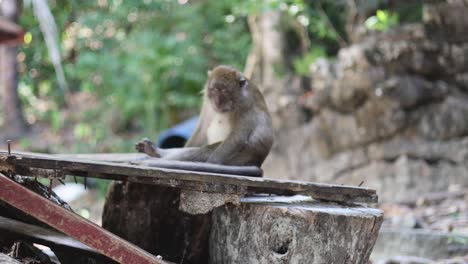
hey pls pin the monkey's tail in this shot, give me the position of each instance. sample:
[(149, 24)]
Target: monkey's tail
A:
[(251, 171)]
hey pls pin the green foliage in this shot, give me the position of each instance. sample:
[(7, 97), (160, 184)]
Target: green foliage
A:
[(146, 61), (382, 21), (324, 22), (301, 65), (459, 239), (411, 13)]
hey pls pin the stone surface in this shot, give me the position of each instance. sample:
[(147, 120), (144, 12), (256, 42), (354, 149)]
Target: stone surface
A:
[(418, 243), (390, 111), (398, 166)]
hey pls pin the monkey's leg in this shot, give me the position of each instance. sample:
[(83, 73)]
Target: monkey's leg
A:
[(200, 154)]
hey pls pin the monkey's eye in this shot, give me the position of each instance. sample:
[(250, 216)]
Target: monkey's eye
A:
[(242, 81)]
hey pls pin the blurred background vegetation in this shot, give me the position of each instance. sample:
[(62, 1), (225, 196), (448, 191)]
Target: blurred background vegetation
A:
[(134, 68), (386, 108)]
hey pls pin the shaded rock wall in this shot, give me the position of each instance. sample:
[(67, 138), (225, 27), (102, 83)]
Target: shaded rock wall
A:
[(391, 110)]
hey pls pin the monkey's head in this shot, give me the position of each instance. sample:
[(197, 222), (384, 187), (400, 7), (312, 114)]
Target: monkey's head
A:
[(227, 89)]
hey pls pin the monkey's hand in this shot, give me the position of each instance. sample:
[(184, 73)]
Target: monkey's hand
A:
[(147, 146)]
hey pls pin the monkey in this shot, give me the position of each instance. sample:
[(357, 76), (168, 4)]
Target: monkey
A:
[(234, 127)]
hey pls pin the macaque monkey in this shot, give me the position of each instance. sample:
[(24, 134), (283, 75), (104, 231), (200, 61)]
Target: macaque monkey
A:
[(234, 127)]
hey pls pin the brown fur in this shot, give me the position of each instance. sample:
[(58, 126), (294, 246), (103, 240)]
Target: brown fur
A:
[(238, 112)]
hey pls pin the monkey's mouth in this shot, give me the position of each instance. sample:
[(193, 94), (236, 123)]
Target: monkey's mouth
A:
[(221, 104)]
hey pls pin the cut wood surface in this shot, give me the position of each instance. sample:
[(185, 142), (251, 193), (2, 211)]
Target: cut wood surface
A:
[(48, 165)]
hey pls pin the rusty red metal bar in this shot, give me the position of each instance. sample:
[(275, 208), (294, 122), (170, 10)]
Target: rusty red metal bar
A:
[(73, 225), (10, 33)]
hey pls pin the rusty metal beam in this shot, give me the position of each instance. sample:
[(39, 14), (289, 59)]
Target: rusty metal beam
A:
[(73, 225), (10, 33)]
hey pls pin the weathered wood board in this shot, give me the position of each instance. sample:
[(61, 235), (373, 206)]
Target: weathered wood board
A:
[(60, 244), (41, 235), (49, 166)]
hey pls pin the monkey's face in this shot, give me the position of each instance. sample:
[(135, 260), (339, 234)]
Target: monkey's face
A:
[(227, 89)]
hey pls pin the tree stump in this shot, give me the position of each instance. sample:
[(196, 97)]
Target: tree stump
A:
[(274, 230), (5, 259), (149, 217), (263, 229)]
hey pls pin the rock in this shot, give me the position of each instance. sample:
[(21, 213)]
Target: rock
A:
[(390, 110), (412, 166), (412, 91), (376, 119), (417, 243), (400, 165), (407, 260), (412, 176), (444, 121), (446, 20)]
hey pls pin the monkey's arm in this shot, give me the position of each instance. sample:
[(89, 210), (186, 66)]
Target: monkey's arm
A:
[(248, 145), (187, 154), (200, 154), (235, 150), (199, 137)]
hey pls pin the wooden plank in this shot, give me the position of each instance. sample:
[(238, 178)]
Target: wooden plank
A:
[(41, 235), (145, 160), (209, 182), (107, 157), (71, 224)]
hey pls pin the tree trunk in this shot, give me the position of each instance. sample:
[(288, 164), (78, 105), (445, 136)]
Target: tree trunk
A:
[(149, 217), (281, 230), (277, 41), (259, 230), (14, 122)]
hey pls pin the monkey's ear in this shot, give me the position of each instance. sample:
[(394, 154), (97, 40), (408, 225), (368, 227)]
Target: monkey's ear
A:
[(209, 73), (242, 81), (243, 85)]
